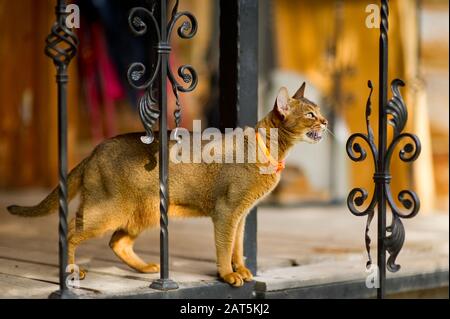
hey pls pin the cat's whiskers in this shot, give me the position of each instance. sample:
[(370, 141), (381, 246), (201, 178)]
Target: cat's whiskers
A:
[(327, 130)]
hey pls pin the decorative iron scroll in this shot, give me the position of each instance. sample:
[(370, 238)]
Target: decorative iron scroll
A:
[(357, 197), (139, 20), (392, 112)]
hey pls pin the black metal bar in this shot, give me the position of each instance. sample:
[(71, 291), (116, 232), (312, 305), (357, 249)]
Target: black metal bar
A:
[(163, 48), (228, 60), (61, 47), (239, 85), (394, 113), (62, 160), (382, 132), (164, 283), (149, 112)]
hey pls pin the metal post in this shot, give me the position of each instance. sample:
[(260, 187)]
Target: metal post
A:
[(148, 106), (239, 85), (228, 66), (61, 47), (382, 176), (163, 49), (393, 112)]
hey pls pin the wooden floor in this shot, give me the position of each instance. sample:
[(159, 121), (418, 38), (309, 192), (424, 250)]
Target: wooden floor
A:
[(298, 247)]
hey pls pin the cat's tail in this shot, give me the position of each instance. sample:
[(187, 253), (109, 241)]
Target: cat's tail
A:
[(50, 203)]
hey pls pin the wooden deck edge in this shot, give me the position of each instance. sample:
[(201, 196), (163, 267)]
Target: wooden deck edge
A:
[(255, 290), (357, 289), (209, 290)]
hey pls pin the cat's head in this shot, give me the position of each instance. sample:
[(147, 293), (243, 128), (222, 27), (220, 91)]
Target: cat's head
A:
[(299, 117)]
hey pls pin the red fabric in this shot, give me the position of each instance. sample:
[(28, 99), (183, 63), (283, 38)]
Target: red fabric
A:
[(102, 86)]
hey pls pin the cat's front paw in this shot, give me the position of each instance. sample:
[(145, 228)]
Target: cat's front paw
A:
[(234, 279), (81, 273), (245, 273)]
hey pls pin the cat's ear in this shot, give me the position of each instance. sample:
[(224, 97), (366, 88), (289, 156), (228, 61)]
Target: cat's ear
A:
[(301, 92), (282, 102)]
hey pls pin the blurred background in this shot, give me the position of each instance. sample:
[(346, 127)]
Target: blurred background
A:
[(325, 43)]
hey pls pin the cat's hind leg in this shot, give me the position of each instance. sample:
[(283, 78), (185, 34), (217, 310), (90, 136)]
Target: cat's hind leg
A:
[(90, 222), (74, 239), (122, 245)]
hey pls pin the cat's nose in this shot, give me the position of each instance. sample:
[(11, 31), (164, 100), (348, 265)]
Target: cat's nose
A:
[(324, 122)]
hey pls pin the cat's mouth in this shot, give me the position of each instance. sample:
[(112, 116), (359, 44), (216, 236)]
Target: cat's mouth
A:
[(314, 136)]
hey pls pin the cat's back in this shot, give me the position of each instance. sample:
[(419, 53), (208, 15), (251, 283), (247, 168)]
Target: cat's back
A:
[(124, 145), (121, 151)]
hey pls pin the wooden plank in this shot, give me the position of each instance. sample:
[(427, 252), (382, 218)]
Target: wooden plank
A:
[(34, 250), (184, 260), (318, 273), (183, 270), (104, 278), (347, 270), (18, 287), (431, 285), (307, 252), (95, 283), (304, 239)]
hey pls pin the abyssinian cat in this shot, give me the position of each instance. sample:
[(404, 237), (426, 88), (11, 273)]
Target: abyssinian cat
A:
[(119, 188)]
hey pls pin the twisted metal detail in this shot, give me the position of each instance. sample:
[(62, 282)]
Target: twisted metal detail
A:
[(137, 71), (357, 197), (61, 47), (153, 108), (61, 43)]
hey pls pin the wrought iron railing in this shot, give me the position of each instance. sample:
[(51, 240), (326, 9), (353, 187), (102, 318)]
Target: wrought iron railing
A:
[(152, 108), (61, 47), (237, 46), (394, 113)]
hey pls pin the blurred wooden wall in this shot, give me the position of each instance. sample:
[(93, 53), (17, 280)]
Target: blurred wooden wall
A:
[(28, 109)]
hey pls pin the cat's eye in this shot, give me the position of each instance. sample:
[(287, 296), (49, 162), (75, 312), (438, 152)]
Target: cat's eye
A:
[(310, 115)]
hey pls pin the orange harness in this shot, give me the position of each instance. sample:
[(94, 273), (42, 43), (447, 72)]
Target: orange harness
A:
[(279, 166)]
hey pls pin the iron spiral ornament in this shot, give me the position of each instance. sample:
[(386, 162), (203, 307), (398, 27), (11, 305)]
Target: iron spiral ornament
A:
[(357, 197), (140, 21), (62, 43), (392, 112)]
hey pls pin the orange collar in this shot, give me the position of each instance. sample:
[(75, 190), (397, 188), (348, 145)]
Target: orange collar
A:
[(279, 166)]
